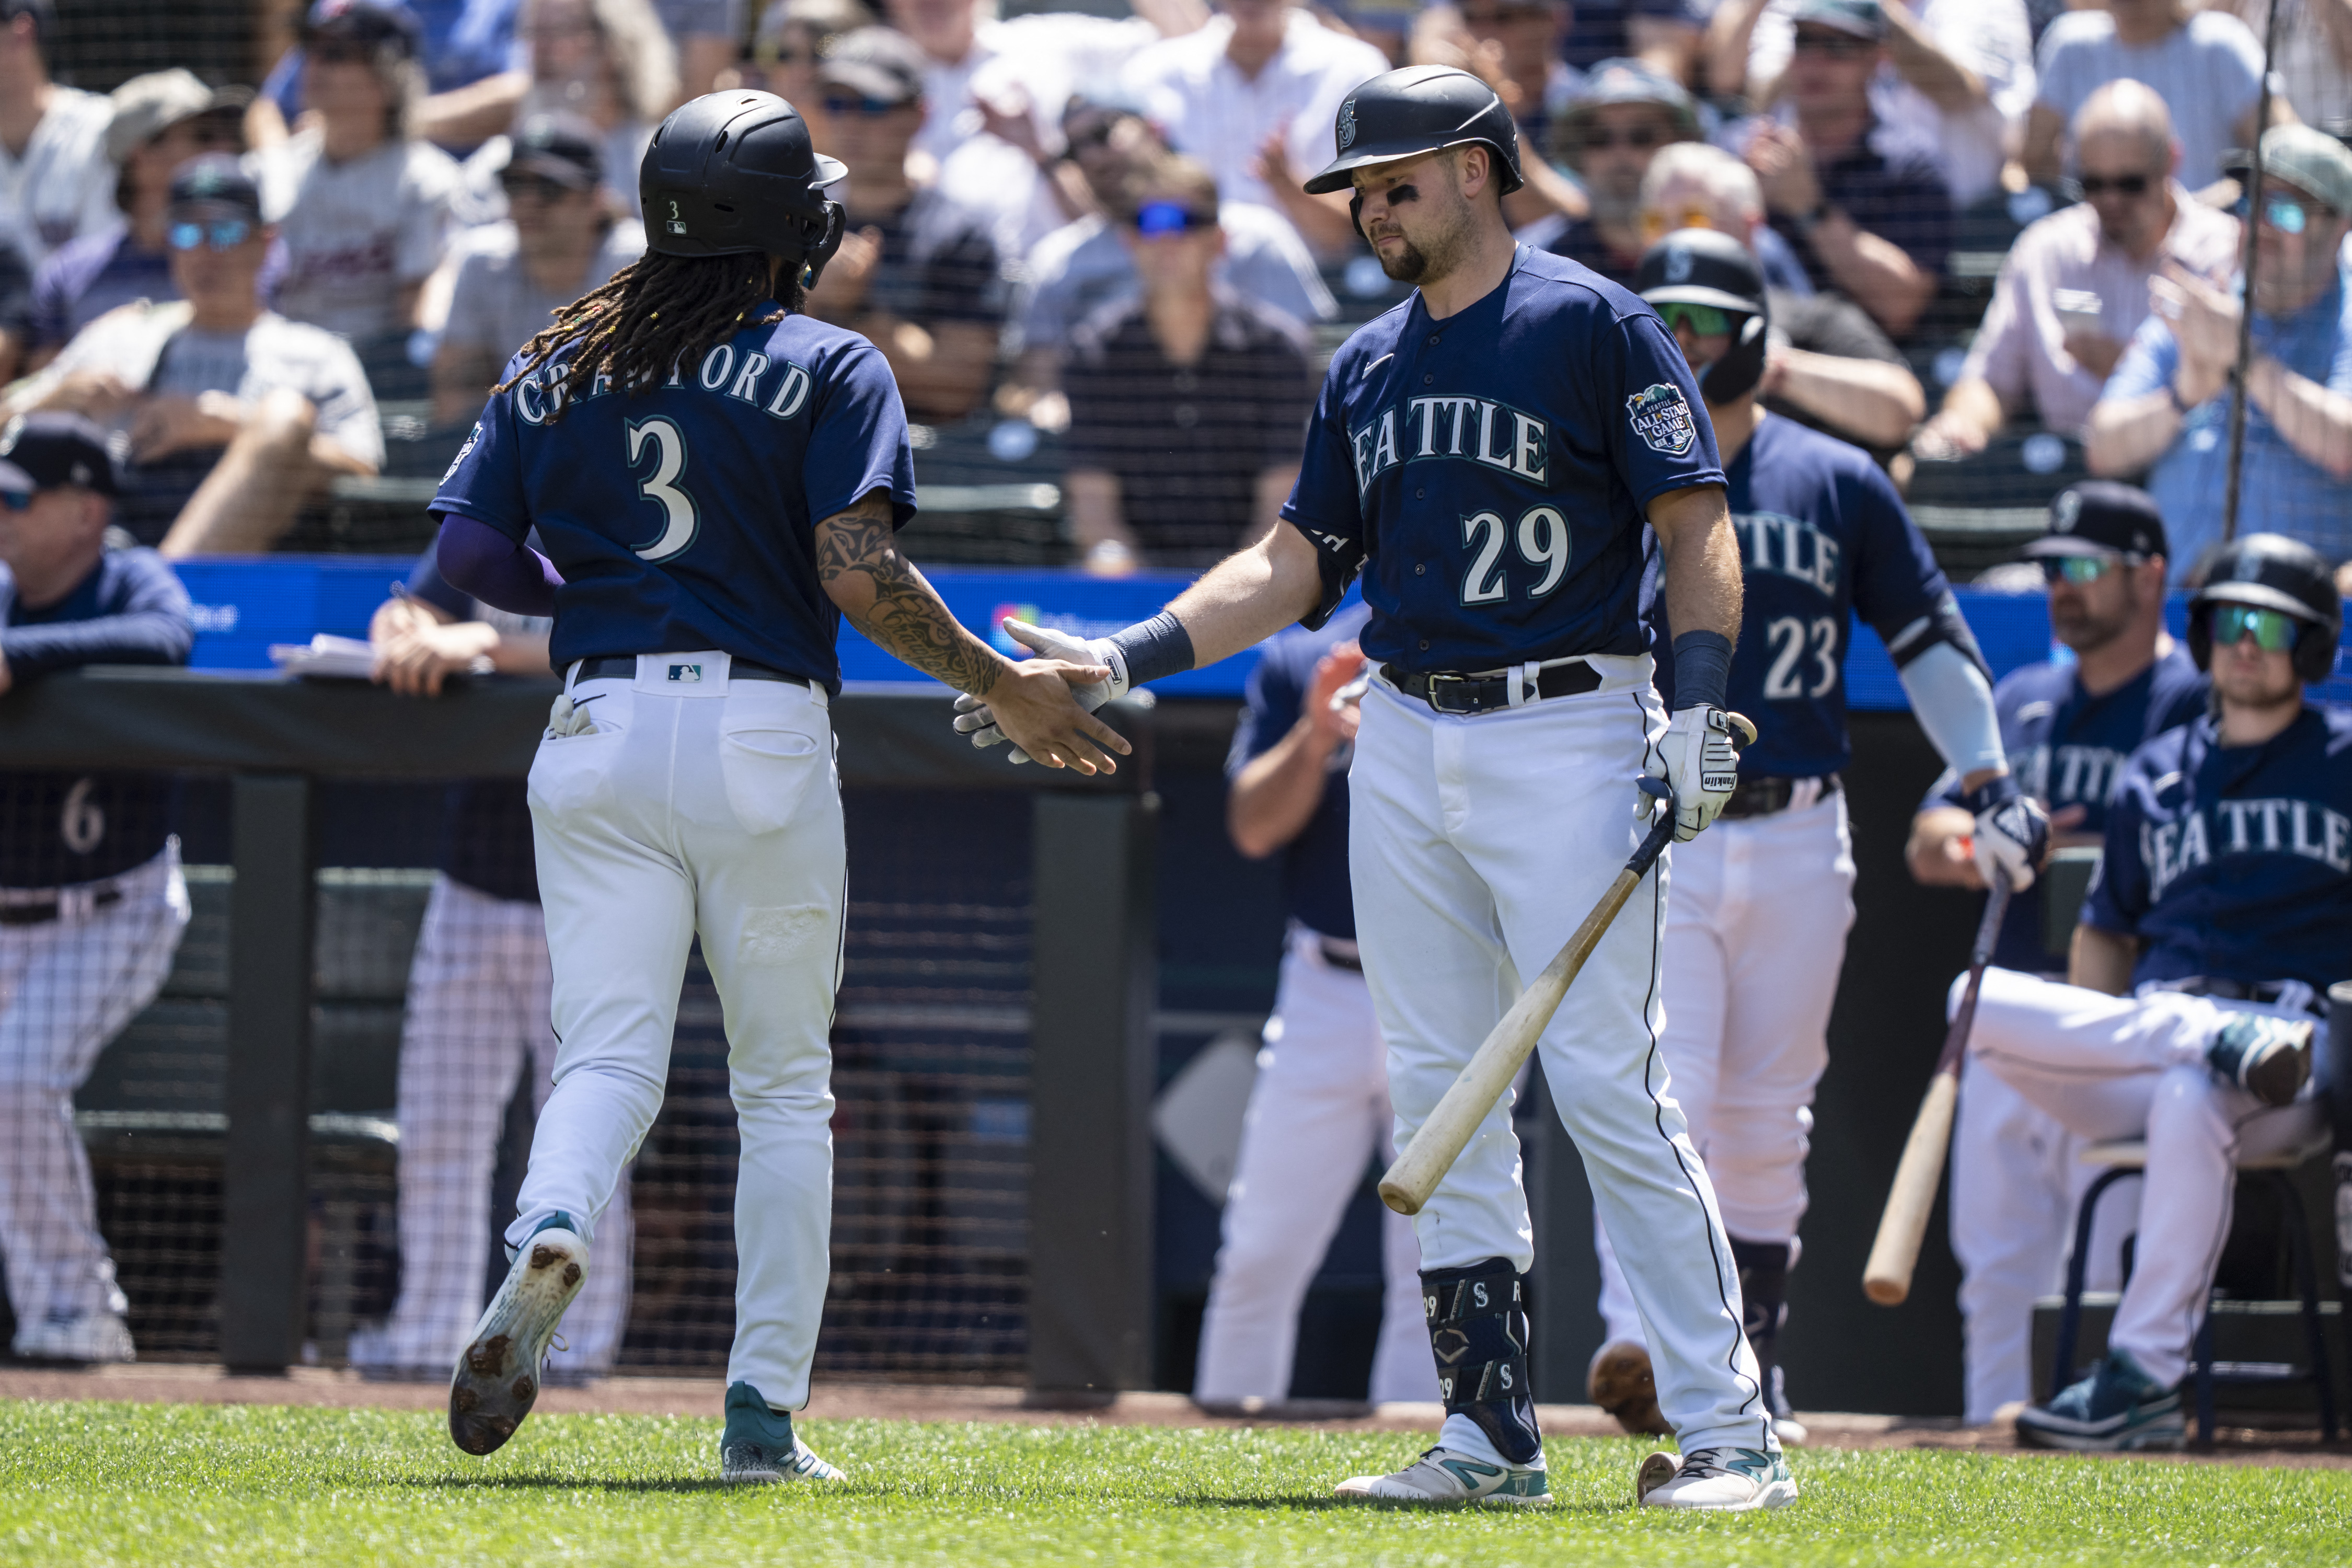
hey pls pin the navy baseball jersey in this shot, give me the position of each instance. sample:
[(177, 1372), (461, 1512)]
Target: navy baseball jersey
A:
[(2067, 749), (684, 518), (1315, 886), (64, 827), (2233, 861), (1488, 473)]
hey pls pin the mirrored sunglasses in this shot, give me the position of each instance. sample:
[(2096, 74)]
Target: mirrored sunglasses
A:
[(1706, 321), (225, 234), (2285, 214), (2273, 631), (2075, 568), (15, 500), (1155, 218)]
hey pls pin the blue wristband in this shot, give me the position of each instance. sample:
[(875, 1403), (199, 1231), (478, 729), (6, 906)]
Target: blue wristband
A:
[(1155, 648), (1702, 669), (1998, 790)]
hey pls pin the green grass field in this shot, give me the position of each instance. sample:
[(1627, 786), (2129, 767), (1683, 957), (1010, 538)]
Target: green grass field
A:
[(198, 1484)]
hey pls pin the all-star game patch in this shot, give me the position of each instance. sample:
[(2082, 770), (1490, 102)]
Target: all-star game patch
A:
[(1662, 419)]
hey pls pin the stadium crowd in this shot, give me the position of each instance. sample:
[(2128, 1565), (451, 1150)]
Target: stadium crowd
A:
[(1991, 230)]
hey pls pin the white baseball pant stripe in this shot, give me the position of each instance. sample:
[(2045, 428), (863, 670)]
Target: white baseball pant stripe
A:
[(1477, 845), (2016, 1179), (477, 1019), (1755, 939), (68, 986), (1319, 1115), (2119, 1067), (708, 808)]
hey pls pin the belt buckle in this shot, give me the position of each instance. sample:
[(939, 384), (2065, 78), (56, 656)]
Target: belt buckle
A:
[(1437, 682)]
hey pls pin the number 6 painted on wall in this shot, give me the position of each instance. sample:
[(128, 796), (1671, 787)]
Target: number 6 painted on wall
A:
[(680, 522)]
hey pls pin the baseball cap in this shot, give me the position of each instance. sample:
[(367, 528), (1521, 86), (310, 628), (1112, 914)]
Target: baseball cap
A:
[(215, 181), (42, 451), (2103, 518), (364, 22), (2311, 160), (1700, 267), (563, 147), (1631, 81), (1863, 18), (147, 106), (880, 63)]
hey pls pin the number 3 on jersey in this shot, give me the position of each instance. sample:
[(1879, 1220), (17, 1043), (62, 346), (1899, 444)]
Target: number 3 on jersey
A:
[(680, 524), (1787, 637)]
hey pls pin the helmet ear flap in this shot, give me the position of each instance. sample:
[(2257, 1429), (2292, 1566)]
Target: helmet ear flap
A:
[(2314, 654), (2200, 637), (822, 237), (1356, 215)]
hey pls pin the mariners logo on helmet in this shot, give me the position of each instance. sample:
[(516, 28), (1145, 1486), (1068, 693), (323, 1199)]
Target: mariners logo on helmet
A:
[(1662, 419), (2062, 515), (1347, 125), (1678, 266)]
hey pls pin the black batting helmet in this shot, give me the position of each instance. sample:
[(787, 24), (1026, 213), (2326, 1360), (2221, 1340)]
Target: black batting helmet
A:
[(1420, 109), (731, 174), (1702, 267), (2271, 571)]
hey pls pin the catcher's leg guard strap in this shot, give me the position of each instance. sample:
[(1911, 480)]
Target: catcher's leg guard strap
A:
[(1478, 1331)]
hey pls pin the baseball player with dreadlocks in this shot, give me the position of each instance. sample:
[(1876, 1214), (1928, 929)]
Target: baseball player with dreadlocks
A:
[(717, 478), (1503, 456)]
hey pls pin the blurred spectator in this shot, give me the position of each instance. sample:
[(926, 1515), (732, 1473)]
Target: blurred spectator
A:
[(2167, 404), (160, 121), (2074, 286), (1509, 47), (15, 311), (793, 36), (1663, 35), (1254, 96), (1826, 363), (1075, 268), (1188, 403), (475, 1020), (1866, 211), (2205, 64), (608, 61), (994, 90), (1386, 24), (508, 278), (1958, 76), (1607, 136), (233, 415), (467, 47), (2315, 55), (362, 207), (705, 34), (55, 184), (92, 903), (917, 272)]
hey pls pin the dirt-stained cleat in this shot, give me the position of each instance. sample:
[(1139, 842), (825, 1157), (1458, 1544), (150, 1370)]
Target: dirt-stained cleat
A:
[(1620, 1381), (760, 1446), (1443, 1475), (1716, 1480), (500, 1369)]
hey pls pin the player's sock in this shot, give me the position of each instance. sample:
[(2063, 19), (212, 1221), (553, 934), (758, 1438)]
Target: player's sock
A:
[(1764, 1308), (1478, 1331)]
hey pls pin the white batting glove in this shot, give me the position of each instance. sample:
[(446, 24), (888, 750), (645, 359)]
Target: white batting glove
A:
[(972, 715), (1701, 765), (2011, 834)]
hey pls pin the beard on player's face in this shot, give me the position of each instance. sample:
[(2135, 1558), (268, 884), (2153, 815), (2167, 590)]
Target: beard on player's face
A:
[(1430, 219)]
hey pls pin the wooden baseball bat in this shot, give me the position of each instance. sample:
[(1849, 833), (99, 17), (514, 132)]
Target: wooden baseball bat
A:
[(1886, 1277), (1447, 1131)]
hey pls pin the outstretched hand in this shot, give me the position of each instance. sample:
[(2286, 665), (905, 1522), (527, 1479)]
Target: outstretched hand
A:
[(1036, 705), (976, 717)]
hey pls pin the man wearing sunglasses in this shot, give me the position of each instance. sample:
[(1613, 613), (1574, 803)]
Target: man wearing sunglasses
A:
[(2222, 912), (1755, 932), (2074, 286), (506, 280), (2069, 727), (91, 899), (2167, 407), (160, 121), (234, 416), (1608, 135)]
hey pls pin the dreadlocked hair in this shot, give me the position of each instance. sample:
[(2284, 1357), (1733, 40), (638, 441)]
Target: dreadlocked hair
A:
[(656, 314)]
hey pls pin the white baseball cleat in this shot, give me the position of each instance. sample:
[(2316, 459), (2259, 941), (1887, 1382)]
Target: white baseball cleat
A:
[(91, 1339), (1717, 1481), (1443, 1475), (498, 1376)]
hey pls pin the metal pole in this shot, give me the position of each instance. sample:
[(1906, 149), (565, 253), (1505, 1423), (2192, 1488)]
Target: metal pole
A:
[(2246, 299)]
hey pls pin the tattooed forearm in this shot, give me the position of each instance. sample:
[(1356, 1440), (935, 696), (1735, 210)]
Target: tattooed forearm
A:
[(858, 562)]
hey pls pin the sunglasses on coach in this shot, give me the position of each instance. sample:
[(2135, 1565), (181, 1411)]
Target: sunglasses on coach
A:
[(2120, 184), (2077, 569), (2273, 631), (227, 234), (1155, 218)]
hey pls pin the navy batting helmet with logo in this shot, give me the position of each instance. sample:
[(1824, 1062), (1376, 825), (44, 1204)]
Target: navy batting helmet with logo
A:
[(1701, 267), (2271, 571), (734, 172), (1420, 109)]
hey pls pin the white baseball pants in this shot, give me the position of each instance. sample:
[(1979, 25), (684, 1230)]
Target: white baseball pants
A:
[(709, 807), (1755, 939), (2120, 1067), (68, 986), (1477, 845), (1318, 1114), (477, 1018)]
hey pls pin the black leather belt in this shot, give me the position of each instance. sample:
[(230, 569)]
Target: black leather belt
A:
[(1339, 957), (41, 911), (1765, 797), (2268, 992), (624, 666), (1450, 693)]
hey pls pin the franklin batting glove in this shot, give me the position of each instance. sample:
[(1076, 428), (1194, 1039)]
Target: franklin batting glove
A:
[(972, 715), (1703, 766)]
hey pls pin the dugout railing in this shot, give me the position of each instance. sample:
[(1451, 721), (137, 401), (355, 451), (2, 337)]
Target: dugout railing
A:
[(1076, 1211)]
